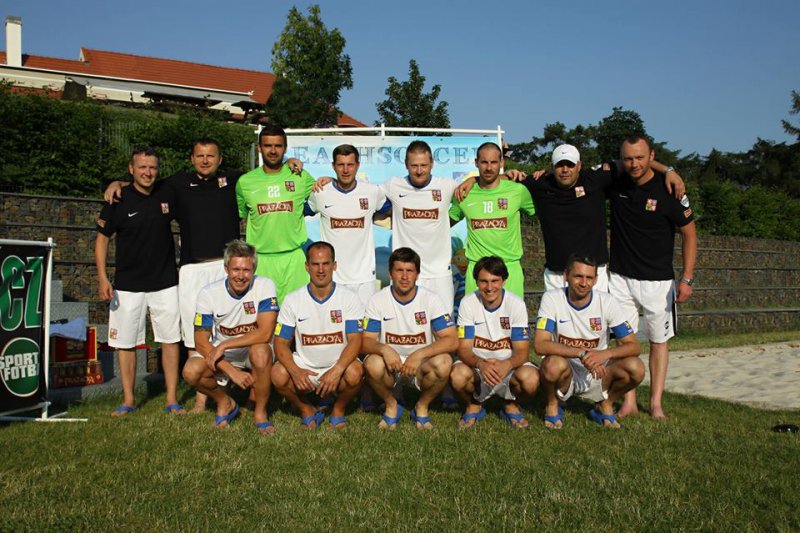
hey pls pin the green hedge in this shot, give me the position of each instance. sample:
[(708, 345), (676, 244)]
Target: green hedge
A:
[(65, 148)]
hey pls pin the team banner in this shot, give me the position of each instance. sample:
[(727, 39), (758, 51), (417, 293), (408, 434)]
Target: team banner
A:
[(383, 157), (23, 269)]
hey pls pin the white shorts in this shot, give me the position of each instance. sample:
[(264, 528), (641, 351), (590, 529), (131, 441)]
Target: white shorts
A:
[(583, 384), (501, 390), (400, 380), (320, 371), (555, 280), (128, 312), (655, 300), (193, 278), (238, 357), (442, 286), (363, 290)]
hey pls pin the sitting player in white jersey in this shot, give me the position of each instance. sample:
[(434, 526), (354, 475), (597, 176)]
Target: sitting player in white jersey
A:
[(493, 350), (409, 334), (572, 335), (234, 324), (324, 320)]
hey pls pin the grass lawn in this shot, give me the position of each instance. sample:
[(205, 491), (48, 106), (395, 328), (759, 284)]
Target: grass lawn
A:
[(712, 466)]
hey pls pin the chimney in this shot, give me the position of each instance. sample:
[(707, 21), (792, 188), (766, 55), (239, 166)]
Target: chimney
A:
[(13, 41)]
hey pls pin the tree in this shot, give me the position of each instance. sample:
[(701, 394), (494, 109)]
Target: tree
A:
[(407, 105), (613, 129), (788, 127), (311, 70)]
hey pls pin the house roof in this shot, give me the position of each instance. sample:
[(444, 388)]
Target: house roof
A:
[(152, 69)]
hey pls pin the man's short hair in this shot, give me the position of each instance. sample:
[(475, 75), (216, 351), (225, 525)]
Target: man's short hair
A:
[(574, 258), (419, 147), (239, 248), (148, 151), (634, 138), (345, 150), (320, 244), (491, 264), (271, 130), (489, 145), (206, 141), (404, 255)]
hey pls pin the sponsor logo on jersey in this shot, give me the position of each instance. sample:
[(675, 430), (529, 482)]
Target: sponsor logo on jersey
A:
[(336, 316), (578, 343), (363, 203), (322, 338), (651, 204), (489, 223), (339, 223), (595, 324), (249, 308), (164, 208), (420, 318), (428, 214), (289, 185), (505, 322), (579, 191), (436, 194), (237, 330), (222, 182), (492, 346), (502, 203), (101, 223), (276, 207), (406, 340)]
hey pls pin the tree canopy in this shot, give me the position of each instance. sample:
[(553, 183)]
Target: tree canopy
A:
[(311, 70), (407, 104)]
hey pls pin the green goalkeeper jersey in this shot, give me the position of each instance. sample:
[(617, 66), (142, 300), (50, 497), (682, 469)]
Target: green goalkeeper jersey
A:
[(273, 205), (493, 220)]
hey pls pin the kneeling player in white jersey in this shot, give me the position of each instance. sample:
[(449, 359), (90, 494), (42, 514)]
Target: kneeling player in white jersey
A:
[(234, 323), (409, 334), (572, 335), (493, 347), (325, 322)]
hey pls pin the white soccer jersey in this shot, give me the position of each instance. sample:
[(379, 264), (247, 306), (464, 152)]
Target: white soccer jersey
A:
[(420, 221), (232, 316), (493, 330), (346, 223), (586, 328), (406, 327), (319, 327)]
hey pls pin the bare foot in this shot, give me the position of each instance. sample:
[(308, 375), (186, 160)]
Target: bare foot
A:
[(627, 410), (657, 412), (198, 408)]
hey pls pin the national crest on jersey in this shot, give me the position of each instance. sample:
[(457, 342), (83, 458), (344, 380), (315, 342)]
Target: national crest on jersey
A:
[(222, 182), (249, 308), (420, 318), (436, 194), (595, 324), (502, 203), (580, 191), (289, 184), (363, 203), (651, 204), (505, 322), (164, 208), (336, 316)]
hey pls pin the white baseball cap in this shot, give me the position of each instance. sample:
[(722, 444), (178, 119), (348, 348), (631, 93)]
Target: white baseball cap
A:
[(566, 152)]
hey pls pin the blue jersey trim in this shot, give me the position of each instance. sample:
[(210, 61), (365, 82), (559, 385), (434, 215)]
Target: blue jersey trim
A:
[(373, 326), (353, 326), (443, 322)]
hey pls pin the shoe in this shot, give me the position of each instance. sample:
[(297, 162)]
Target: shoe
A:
[(218, 420)]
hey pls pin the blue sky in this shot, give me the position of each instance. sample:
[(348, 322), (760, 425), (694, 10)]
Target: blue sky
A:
[(702, 74)]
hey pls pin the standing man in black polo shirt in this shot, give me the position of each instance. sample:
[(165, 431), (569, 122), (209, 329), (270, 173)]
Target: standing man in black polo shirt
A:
[(643, 221), (145, 276), (570, 204)]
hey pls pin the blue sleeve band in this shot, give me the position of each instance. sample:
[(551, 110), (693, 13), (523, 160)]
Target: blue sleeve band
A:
[(270, 304), (443, 322), (206, 323), (373, 326), (286, 332), (622, 330), (546, 324), (352, 326), (520, 334)]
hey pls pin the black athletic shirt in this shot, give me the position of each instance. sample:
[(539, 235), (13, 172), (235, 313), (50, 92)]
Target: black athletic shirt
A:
[(207, 213), (573, 220), (145, 251), (643, 223)]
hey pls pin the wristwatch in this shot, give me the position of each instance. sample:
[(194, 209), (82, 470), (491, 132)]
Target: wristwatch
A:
[(582, 355), (688, 281), (668, 170)]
